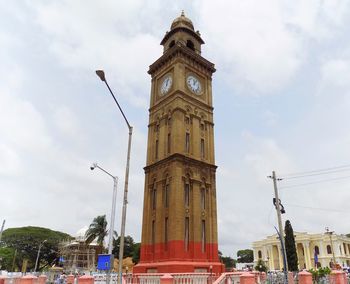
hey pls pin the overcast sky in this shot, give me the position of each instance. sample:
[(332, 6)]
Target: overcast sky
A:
[(281, 97)]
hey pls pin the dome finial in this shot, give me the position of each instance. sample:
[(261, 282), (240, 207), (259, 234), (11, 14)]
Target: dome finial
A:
[(183, 13)]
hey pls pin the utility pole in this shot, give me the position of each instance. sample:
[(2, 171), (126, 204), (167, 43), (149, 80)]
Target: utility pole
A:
[(2, 229), (330, 233), (280, 228)]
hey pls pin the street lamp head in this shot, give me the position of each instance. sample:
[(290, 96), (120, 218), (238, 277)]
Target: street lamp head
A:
[(94, 165), (101, 74)]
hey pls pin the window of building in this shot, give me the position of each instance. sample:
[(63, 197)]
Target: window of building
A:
[(187, 195), (166, 233), (203, 198), (259, 254), (345, 251), (154, 198), (187, 233), (153, 233), (172, 43), (317, 250), (187, 142), (329, 249), (166, 196), (202, 149), (157, 148), (203, 236), (190, 44), (169, 143)]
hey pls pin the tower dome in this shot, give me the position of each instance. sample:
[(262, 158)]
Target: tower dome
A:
[(182, 22)]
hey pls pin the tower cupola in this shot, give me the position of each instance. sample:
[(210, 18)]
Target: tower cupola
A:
[(182, 33)]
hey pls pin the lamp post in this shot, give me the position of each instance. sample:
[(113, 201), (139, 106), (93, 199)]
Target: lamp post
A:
[(38, 254), (101, 75), (111, 227)]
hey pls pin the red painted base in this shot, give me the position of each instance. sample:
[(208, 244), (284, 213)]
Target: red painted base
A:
[(179, 267), (175, 257)]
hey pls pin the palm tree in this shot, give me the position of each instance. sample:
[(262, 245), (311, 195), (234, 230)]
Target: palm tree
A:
[(97, 229)]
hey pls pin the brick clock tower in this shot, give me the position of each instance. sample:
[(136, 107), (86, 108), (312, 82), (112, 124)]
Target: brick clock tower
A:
[(179, 228)]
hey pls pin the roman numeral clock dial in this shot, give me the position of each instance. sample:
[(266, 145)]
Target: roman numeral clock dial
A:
[(166, 85), (194, 84)]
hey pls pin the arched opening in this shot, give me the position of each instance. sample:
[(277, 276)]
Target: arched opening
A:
[(172, 43), (190, 44), (329, 249), (317, 250), (259, 254)]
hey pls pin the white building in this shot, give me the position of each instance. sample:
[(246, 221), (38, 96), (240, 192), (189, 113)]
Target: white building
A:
[(324, 247)]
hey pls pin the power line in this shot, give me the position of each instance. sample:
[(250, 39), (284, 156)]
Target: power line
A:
[(315, 171), (315, 182), (317, 208)]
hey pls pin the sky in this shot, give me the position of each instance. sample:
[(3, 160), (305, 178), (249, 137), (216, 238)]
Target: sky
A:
[(281, 97)]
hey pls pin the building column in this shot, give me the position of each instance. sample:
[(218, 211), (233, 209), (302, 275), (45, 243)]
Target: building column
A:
[(280, 256), (307, 257), (271, 260)]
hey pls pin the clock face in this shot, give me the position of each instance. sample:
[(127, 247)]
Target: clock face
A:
[(194, 85), (166, 84)]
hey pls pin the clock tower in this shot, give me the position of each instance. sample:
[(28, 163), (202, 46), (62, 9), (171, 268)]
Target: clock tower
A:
[(179, 227)]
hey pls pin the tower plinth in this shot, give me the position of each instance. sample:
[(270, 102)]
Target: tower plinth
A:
[(179, 227)]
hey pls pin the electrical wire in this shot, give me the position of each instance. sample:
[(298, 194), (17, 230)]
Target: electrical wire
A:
[(317, 174), (317, 208), (315, 182), (325, 171)]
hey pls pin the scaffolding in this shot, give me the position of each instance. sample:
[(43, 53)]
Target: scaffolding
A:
[(76, 256)]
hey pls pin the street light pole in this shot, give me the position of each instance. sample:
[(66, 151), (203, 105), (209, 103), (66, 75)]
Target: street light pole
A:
[(101, 75), (37, 256), (111, 226)]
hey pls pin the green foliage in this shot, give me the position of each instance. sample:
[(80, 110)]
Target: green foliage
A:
[(136, 253), (97, 229), (245, 256), (261, 266), (319, 273), (228, 262), (129, 246), (292, 257), (6, 255), (26, 240)]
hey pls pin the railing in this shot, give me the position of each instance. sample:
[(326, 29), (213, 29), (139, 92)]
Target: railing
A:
[(228, 278), (192, 278)]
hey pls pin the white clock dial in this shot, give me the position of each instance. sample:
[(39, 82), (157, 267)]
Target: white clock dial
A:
[(194, 85), (166, 84)]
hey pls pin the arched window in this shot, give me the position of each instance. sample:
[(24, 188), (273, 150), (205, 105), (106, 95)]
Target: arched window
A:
[(172, 43), (329, 249), (259, 254), (317, 250), (190, 44)]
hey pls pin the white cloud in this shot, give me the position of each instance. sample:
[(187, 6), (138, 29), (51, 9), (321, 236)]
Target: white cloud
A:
[(336, 72)]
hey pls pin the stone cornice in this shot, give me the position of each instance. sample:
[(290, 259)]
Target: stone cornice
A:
[(178, 50), (179, 158), (182, 29)]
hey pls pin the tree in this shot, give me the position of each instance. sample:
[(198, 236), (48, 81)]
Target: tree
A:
[(6, 258), (245, 256), (129, 246), (228, 262), (292, 257), (261, 266), (24, 243), (97, 229), (136, 253)]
